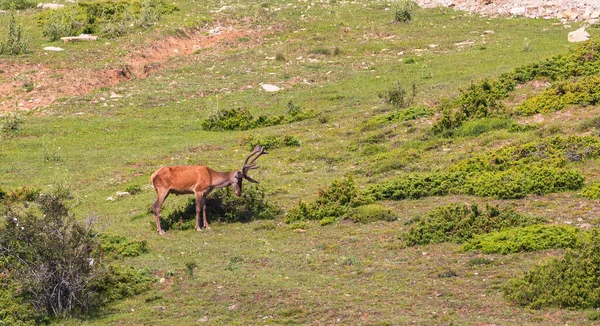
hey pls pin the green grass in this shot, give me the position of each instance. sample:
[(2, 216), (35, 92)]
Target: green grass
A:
[(267, 272)]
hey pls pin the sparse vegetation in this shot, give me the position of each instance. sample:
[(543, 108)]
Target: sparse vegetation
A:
[(404, 10), (242, 119), (592, 191)]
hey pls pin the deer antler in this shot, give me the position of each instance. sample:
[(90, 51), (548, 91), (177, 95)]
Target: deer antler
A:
[(258, 151)]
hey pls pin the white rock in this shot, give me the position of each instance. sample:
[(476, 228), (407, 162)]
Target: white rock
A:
[(53, 48), (579, 35), (122, 193), (517, 11), (595, 14), (115, 95), (49, 5), (270, 88), (110, 199)]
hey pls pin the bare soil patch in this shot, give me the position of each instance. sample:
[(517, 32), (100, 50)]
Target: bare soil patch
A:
[(27, 86)]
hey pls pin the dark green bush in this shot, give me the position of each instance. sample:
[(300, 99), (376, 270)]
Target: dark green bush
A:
[(120, 282), (332, 202), (411, 113), (529, 238), (397, 96), (519, 182), (116, 246), (14, 309), (242, 119), (371, 213), (223, 205), (583, 91), (476, 127), (416, 186), (553, 151), (270, 142), (592, 191), (572, 281), (459, 222), (133, 189)]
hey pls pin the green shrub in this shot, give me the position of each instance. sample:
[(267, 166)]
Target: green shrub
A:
[(411, 113), (11, 123), (17, 4), (133, 189), (115, 246), (242, 119), (477, 127), (483, 99), (120, 282), (458, 223), (553, 151), (270, 142), (519, 182), (331, 202), (110, 18), (397, 96), (15, 42), (416, 186), (14, 309), (582, 91), (371, 213), (479, 261), (404, 10), (223, 205), (572, 281), (529, 238), (592, 191)]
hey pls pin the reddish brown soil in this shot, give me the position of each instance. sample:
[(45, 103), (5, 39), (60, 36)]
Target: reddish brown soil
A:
[(51, 84)]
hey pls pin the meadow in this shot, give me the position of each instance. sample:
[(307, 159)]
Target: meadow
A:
[(117, 109)]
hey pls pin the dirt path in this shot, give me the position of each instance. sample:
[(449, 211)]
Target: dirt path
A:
[(31, 86)]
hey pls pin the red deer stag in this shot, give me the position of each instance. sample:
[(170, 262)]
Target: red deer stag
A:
[(199, 180)]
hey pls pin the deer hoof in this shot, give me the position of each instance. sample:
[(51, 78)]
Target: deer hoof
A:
[(198, 229), (161, 232), (207, 227)]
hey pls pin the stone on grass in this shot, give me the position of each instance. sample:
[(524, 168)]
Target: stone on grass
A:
[(579, 35)]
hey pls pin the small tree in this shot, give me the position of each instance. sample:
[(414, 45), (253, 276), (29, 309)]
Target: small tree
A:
[(403, 10), (15, 42)]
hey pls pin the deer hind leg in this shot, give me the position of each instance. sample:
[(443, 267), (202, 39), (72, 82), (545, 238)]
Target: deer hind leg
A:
[(161, 197), (204, 214)]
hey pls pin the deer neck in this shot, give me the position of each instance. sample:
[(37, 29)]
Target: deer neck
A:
[(222, 179)]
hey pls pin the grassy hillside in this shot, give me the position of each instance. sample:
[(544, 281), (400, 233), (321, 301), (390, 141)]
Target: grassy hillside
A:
[(117, 109)]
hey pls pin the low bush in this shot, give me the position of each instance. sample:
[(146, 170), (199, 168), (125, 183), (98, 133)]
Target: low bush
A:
[(17, 4), (270, 142), (115, 246), (404, 10), (529, 238), (582, 91), (371, 213), (242, 119), (331, 203), (592, 191), (397, 96), (15, 42), (459, 222), (411, 113), (473, 128), (11, 123), (109, 18), (572, 281), (120, 282), (483, 99), (415, 186), (223, 205), (519, 182), (552, 152)]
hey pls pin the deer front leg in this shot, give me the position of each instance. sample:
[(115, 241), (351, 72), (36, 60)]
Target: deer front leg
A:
[(199, 204), (156, 208)]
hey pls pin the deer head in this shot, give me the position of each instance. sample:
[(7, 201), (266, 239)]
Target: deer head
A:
[(243, 174)]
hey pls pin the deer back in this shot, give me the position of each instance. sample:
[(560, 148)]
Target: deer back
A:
[(183, 179)]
